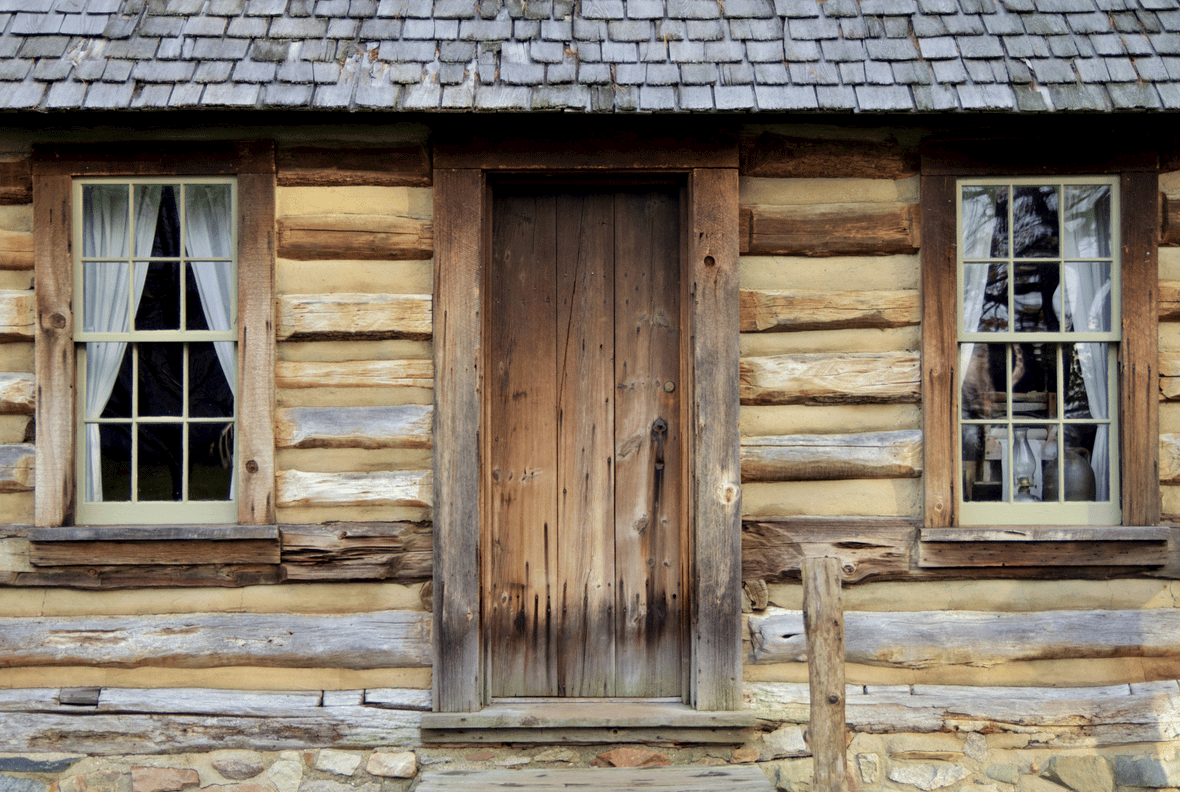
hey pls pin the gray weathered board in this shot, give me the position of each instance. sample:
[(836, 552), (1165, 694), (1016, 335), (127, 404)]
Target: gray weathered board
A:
[(693, 778), (926, 639)]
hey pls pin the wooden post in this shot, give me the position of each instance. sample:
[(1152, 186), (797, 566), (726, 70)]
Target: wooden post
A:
[(823, 621)]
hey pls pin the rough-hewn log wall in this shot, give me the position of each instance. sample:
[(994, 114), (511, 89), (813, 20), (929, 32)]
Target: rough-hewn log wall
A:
[(16, 341)]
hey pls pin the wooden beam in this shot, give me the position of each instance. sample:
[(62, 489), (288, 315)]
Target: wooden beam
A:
[(401, 426), (928, 639), (103, 577), (895, 454), (379, 237), (358, 551), (16, 393), (733, 778), (860, 229), (576, 148), (792, 310), (16, 250), (246, 551), (823, 622), (380, 488), (1169, 219), (17, 467), (16, 181), (789, 157), (868, 548), (822, 378), (340, 165), (384, 639), (974, 555), (304, 317), (413, 373)]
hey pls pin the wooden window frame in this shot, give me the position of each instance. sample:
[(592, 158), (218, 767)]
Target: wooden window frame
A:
[(462, 170), (943, 163), (54, 169)]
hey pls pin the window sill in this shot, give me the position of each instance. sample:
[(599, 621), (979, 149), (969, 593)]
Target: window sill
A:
[(154, 545), (1050, 545)]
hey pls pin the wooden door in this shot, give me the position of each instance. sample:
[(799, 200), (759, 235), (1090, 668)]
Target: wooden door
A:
[(583, 456)]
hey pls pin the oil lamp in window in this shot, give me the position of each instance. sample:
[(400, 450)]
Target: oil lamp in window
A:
[(1024, 467)]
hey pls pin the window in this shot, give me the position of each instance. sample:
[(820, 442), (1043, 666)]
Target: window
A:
[(157, 356), (1022, 242), (1038, 334), (154, 351)]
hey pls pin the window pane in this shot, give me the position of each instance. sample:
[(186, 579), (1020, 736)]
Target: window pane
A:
[(208, 220), (161, 379), (157, 222), (985, 298), (985, 222), (210, 295), (1037, 299), (1034, 223), (211, 458), (106, 296), (160, 468), (1033, 374), (1087, 394), (104, 221), (1087, 221), (1077, 456), (210, 395), (1087, 296), (982, 461), (115, 456), (108, 380), (159, 307), (984, 390)]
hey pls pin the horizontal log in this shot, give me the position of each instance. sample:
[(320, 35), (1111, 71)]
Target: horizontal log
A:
[(97, 577), (794, 310), (355, 236), (16, 181), (895, 454), (17, 467), (353, 316), (1099, 716), (17, 311), (789, 157), (928, 639), (1170, 458), (154, 553), (358, 551), (401, 426), (1169, 301), (16, 250), (868, 548), (161, 533), (859, 229), (385, 639), (820, 378), (16, 393), (1033, 534), (343, 165), (399, 698), (1169, 219), (973, 555), (380, 488), (411, 373)]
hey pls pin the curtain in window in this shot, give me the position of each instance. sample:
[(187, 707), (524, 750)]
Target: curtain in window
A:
[(104, 296)]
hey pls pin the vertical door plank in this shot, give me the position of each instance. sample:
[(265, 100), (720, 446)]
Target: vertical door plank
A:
[(648, 440), (585, 417), (522, 447), (458, 268), (716, 621)]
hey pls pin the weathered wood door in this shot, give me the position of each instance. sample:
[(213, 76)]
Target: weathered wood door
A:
[(583, 455)]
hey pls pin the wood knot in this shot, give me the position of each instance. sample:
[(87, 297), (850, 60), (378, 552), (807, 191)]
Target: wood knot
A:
[(251, 466), (57, 321), (833, 699)]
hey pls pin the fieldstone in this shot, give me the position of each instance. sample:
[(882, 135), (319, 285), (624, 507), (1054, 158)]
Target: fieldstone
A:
[(252, 786), (337, 786), (337, 762), (162, 779), (927, 776), (16, 784), (975, 746), (100, 781), (1082, 773), (1029, 783), (238, 765), (792, 775), (784, 742), (744, 755), (1008, 774), (286, 774), (480, 756), (556, 755), (39, 763), (869, 765), (390, 764), (925, 747), (634, 757), (1146, 771), (514, 761)]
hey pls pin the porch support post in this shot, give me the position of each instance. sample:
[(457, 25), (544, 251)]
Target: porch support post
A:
[(823, 621)]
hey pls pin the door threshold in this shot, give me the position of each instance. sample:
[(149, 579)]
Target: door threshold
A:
[(614, 714)]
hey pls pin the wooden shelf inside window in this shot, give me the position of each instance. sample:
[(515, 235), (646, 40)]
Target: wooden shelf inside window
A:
[(1048, 545)]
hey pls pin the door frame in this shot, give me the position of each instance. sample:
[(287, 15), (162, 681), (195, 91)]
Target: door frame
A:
[(463, 170)]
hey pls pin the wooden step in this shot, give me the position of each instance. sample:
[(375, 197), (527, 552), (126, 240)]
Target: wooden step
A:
[(692, 778)]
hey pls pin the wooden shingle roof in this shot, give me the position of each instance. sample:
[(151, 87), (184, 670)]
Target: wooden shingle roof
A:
[(600, 56)]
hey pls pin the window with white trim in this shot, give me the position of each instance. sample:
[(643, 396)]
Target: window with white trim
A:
[(1039, 327), (155, 284)]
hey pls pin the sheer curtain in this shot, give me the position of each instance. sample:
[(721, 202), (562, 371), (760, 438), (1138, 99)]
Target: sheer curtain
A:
[(104, 297), (1088, 308)]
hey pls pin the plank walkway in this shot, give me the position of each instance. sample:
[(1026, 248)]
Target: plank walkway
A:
[(694, 778)]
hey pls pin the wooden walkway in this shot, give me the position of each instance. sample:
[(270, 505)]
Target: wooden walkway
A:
[(694, 778)]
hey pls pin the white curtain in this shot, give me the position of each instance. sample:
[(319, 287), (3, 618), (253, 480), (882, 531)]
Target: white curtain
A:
[(979, 217), (104, 297), (208, 226), (1088, 309)]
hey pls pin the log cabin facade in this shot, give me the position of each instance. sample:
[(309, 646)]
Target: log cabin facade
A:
[(487, 381)]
